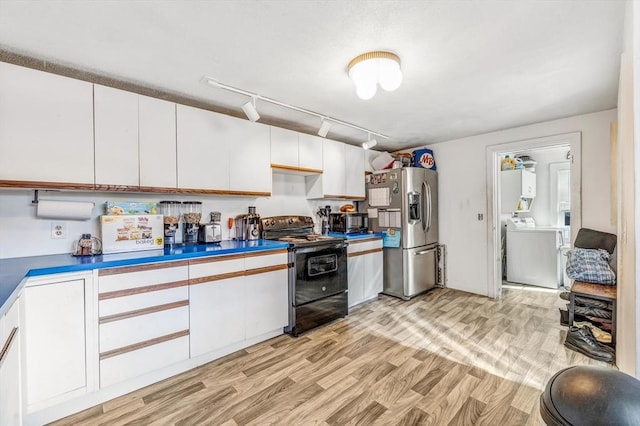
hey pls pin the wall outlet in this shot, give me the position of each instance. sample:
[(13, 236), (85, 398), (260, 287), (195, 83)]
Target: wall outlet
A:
[(58, 230)]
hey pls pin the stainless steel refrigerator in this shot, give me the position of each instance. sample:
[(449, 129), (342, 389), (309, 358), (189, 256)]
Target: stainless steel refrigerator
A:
[(404, 204)]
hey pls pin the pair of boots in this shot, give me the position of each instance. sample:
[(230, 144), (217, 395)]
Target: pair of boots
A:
[(581, 339)]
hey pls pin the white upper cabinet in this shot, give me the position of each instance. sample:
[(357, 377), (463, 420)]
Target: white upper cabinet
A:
[(203, 149), (343, 173), (222, 154), (354, 169), (46, 130), (517, 190), (297, 152), (250, 170), (157, 143), (116, 137), (135, 141), (334, 173), (284, 147), (310, 153)]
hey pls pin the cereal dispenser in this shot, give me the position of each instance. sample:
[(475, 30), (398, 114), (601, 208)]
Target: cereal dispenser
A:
[(191, 214), (171, 216)]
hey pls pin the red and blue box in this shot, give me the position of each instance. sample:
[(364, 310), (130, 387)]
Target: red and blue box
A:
[(424, 158)]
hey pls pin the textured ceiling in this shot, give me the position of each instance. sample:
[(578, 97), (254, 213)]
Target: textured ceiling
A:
[(469, 67)]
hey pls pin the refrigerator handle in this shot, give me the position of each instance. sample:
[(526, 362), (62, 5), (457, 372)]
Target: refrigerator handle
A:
[(426, 201), (420, 253)]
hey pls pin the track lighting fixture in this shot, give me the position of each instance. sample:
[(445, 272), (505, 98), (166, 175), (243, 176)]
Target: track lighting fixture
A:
[(370, 143), (250, 110), (324, 127)]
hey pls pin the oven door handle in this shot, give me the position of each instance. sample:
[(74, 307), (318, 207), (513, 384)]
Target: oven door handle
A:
[(318, 248)]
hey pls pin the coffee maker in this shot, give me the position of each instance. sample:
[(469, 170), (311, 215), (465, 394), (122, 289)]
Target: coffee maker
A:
[(211, 232), (248, 225)]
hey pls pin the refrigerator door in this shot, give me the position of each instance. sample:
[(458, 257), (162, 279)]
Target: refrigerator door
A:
[(409, 272), (413, 207), (421, 270), (430, 189)]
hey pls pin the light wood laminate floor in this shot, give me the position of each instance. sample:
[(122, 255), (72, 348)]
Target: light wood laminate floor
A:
[(444, 358)]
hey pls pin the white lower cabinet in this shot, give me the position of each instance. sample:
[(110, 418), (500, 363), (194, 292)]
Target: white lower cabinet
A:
[(217, 315), (236, 298), (143, 319), (143, 360), (87, 337), (10, 393), (54, 342), (364, 267), (355, 278), (266, 297), (373, 277)]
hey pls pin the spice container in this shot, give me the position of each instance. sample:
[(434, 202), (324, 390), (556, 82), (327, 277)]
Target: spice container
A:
[(171, 211), (191, 214)]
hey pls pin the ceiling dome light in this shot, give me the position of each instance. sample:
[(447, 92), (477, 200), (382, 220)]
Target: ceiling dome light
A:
[(373, 68)]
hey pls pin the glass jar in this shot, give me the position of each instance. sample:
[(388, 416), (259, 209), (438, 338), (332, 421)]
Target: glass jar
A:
[(171, 211), (191, 212)]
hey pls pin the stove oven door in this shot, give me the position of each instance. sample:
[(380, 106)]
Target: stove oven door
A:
[(320, 272)]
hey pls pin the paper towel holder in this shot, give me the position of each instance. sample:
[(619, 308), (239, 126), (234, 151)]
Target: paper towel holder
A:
[(69, 210), (35, 196)]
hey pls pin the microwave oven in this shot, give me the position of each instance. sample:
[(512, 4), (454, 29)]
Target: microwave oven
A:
[(348, 223)]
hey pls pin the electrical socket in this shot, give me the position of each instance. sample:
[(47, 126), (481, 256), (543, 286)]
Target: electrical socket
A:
[(58, 230)]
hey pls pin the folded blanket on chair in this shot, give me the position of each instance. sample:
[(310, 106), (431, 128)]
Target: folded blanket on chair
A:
[(590, 266)]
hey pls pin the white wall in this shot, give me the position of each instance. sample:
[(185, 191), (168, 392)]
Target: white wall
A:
[(628, 186), (23, 234), (462, 190)]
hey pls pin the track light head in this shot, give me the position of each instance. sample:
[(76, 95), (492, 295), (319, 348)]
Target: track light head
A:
[(250, 110), (369, 144), (324, 128)]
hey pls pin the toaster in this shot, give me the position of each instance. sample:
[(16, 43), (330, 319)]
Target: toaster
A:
[(210, 233)]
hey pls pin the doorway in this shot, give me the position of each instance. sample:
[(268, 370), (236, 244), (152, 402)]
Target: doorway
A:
[(494, 154)]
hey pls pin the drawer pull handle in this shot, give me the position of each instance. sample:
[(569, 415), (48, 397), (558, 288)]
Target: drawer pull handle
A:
[(140, 345), (143, 311), (7, 344)]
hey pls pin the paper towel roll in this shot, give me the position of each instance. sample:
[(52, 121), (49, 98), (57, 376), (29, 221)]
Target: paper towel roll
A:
[(75, 210)]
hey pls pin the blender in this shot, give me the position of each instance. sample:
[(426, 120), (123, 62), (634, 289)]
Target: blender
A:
[(171, 216), (191, 214)]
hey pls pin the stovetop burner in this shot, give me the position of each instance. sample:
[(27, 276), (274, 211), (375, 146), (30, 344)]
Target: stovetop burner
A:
[(296, 230)]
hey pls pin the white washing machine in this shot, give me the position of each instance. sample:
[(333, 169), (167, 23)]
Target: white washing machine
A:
[(534, 255)]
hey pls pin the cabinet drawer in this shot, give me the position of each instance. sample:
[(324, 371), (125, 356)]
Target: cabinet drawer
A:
[(210, 267), (364, 246), (262, 260), (117, 305), (142, 276), (119, 333), (143, 360)]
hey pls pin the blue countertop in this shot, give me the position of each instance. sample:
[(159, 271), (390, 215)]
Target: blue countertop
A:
[(14, 271)]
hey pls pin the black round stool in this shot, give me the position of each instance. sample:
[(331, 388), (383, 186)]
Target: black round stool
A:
[(589, 395)]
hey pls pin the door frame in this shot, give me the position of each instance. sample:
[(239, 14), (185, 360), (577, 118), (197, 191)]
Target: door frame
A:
[(493, 156)]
